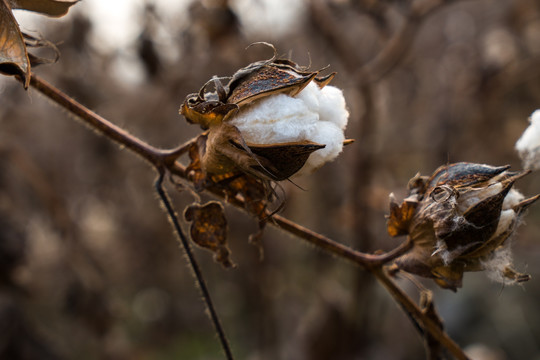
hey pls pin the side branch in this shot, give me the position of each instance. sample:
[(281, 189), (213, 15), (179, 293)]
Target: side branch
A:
[(413, 310), (98, 123)]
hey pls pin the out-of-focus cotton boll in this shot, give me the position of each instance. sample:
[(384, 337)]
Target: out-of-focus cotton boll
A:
[(528, 145), (315, 114)]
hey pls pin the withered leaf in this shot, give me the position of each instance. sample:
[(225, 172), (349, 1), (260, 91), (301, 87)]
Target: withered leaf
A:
[(400, 217), (209, 230), (13, 57), (54, 8)]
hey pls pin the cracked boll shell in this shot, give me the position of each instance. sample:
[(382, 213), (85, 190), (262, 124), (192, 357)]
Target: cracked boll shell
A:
[(464, 215)]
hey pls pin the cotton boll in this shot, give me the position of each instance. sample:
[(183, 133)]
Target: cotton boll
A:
[(328, 102), (506, 220), (458, 223), (310, 96), (315, 114), (323, 133), (275, 119), (528, 145), (332, 106)]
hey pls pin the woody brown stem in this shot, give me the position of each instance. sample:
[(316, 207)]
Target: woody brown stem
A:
[(152, 154), (413, 310)]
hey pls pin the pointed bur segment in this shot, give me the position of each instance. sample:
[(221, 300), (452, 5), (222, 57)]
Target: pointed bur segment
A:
[(13, 56)]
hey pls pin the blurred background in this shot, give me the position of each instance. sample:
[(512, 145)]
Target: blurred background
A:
[(89, 268)]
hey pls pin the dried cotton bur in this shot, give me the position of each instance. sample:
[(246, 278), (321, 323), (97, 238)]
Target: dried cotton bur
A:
[(272, 120), (460, 219)]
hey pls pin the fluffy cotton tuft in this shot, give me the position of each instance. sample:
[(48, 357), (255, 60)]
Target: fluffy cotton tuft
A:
[(315, 114), (528, 145), (496, 264)]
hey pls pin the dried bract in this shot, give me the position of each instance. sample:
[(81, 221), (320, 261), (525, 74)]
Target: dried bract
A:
[(460, 219), (268, 120)]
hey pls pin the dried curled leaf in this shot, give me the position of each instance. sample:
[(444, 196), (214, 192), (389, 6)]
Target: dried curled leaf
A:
[(400, 217), (55, 8), (13, 57), (209, 230)]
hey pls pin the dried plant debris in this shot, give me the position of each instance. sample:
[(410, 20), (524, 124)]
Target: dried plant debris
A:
[(528, 145), (253, 192), (460, 219), (272, 120), (209, 230), (14, 57)]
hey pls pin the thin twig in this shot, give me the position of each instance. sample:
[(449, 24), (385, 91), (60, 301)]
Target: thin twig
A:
[(171, 213)]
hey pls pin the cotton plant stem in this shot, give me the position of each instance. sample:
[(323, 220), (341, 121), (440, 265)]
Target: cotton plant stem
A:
[(197, 272), (154, 155), (166, 159), (365, 260), (423, 320)]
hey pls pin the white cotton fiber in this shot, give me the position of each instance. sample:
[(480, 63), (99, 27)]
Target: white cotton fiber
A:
[(528, 145), (315, 114), (496, 264), (513, 198)]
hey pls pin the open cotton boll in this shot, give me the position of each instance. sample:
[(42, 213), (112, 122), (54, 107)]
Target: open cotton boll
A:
[(528, 145), (315, 114)]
